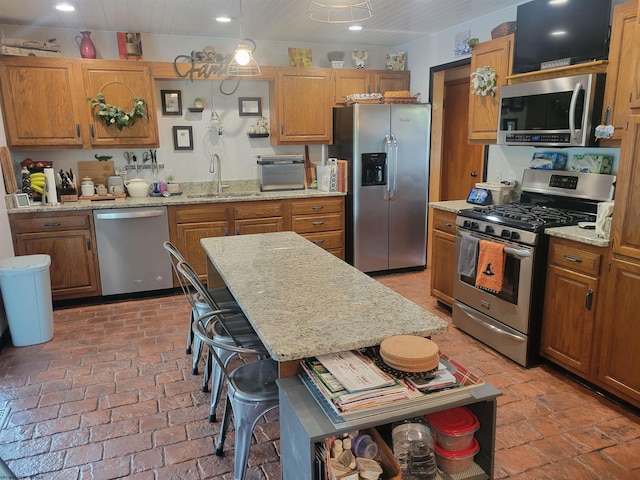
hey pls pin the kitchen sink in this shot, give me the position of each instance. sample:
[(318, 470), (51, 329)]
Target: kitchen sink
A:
[(222, 195)]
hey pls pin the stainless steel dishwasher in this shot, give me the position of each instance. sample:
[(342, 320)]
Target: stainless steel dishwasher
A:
[(130, 251)]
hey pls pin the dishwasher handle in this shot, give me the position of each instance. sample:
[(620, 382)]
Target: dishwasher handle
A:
[(129, 214)]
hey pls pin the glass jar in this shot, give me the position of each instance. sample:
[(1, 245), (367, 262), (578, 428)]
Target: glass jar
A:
[(413, 441)]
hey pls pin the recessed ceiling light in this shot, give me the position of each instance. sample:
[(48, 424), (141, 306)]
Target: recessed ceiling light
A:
[(65, 7), (223, 19), (355, 28)]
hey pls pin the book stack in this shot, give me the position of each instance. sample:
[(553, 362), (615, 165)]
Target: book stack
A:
[(29, 48)]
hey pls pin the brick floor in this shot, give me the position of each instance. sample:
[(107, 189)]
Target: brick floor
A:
[(112, 396)]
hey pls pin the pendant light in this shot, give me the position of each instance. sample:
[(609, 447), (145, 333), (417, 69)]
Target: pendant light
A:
[(339, 11), (243, 64)]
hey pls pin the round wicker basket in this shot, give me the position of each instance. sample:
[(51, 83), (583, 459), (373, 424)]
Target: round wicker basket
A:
[(506, 28)]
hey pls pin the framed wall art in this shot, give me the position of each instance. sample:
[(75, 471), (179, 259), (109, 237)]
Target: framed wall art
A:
[(171, 102), (182, 138), (250, 106)]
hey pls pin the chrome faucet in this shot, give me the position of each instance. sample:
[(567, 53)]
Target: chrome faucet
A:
[(216, 168)]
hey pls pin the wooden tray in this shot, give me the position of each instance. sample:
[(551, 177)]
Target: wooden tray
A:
[(392, 100)]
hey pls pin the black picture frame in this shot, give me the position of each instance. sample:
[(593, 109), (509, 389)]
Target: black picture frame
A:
[(182, 137), (171, 102), (250, 106)]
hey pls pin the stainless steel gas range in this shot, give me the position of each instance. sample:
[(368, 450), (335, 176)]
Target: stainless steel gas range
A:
[(508, 317)]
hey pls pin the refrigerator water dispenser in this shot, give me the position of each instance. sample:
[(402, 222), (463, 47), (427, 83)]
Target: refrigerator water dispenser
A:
[(374, 171)]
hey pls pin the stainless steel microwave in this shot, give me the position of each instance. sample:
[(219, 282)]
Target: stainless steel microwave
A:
[(559, 112)]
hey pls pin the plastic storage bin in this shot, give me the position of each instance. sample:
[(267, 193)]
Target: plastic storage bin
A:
[(456, 462), (454, 428), (26, 292)]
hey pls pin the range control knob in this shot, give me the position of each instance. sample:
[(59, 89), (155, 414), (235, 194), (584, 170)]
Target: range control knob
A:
[(515, 236), (466, 224), (505, 233), (475, 226), (489, 229)]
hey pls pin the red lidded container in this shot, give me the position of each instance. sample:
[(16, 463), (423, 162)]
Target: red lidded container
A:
[(456, 462), (454, 428)]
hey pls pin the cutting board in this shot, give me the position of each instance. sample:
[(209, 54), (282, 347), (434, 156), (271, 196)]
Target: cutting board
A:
[(98, 171), (10, 183)]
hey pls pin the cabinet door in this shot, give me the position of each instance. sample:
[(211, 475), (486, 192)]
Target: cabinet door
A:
[(483, 111), (120, 83), (258, 225), (625, 227), (443, 264), (619, 70), (303, 101), (568, 318), (350, 81), (389, 81), (619, 366), (40, 101), (73, 269), (188, 237)]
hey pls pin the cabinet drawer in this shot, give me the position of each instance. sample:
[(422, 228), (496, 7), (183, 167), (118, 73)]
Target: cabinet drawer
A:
[(326, 240), (317, 205), (200, 213), (444, 221), (48, 222), (578, 257), (318, 223), (247, 210)]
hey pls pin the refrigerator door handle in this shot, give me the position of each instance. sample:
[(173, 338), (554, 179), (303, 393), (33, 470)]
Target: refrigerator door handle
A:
[(389, 152), (394, 164)]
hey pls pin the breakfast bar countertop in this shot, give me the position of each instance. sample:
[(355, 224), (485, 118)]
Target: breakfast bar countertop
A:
[(304, 301)]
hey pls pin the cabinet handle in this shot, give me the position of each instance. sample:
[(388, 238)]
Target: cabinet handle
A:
[(237, 230), (91, 130), (572, 258), (87, 240), (588, 301), (226, 232), (78, 130), (318, 242), (317, 207), (474, 174), (282, 129), (447, 224), (52, 224), (318, 223)]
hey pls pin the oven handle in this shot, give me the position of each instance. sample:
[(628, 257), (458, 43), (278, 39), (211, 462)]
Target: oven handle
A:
[(499, 331), (572, 109), (517, 252)]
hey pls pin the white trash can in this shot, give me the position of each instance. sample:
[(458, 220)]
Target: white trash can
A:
[(26, 292)]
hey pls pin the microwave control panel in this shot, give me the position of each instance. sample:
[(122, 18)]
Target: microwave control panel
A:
[(538, 137)]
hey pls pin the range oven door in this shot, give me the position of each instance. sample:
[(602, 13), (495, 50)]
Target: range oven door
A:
[(512, 305)]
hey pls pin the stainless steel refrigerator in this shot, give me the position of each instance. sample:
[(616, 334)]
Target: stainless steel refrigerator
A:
[(387, 149)]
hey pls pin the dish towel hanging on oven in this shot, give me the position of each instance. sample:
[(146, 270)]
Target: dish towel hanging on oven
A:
[(468, 256), (490, 266)]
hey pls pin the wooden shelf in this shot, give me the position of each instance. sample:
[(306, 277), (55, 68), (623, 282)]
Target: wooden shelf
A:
[(597, 66), (194, 109), (258, 135)]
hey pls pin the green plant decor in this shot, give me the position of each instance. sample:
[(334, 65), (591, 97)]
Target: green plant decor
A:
[(114, 115)]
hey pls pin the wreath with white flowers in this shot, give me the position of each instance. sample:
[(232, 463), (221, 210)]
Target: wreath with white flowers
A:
[(483, 81), (114, 115)]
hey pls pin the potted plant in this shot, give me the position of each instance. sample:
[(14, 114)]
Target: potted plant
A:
[(336, 59)]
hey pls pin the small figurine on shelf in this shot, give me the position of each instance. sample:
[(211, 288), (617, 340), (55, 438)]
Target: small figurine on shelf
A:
[(262, 126)]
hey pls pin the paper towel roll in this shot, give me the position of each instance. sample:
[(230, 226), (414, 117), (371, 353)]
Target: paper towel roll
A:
[(50, 194), (605, 210)]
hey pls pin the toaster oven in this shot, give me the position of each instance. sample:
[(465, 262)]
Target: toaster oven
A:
[(280, 172)]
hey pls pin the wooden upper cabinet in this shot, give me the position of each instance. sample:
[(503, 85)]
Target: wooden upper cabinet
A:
[(44, 102), (350, 81), (622, 59), (40, 102), (390, 80), (483, 111), (120, 83), (301, 101)]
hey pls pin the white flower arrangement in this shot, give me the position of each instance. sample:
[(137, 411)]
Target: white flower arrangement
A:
[(483, 81)]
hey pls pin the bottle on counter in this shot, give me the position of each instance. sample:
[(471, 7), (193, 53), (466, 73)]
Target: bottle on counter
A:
[(413, 441)]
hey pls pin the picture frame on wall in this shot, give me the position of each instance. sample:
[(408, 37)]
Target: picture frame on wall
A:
[(182, 137), (250, 106), (171, 102)]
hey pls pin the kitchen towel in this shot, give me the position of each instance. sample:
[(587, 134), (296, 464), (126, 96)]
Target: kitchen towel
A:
[(468, 257), (490, 266), (603, 227)]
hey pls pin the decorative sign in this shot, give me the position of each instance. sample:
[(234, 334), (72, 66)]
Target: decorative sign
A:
[(202, 65)]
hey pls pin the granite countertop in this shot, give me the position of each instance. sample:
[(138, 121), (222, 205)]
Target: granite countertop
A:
[(453, 206), (578, 234), (304, 301), (193, 193)]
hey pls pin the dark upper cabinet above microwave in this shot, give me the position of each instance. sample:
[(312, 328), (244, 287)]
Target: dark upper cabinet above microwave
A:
[(44, 102)]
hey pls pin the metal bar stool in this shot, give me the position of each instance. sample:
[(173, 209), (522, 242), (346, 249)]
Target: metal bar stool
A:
[(251, 390), (237, 331)]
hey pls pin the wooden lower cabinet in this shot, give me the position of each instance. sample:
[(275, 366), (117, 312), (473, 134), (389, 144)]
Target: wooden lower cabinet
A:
[(68, 238), (443, 255), (618, 362), (259, 217), (570, 302), (321, 221)]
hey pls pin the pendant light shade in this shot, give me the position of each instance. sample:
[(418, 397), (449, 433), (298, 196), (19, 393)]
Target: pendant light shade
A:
[(339, 11), (243, 64)]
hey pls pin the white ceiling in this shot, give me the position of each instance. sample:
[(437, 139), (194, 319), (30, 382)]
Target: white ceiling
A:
[(394, 23)]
